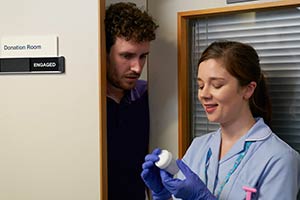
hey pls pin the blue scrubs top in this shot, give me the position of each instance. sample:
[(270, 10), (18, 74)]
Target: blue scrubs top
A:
[(270, 165)]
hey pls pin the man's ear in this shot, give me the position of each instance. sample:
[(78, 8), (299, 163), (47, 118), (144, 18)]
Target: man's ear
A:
[(249, 90)]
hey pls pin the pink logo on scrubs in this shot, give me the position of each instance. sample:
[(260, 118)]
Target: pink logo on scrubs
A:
[(249, 192)]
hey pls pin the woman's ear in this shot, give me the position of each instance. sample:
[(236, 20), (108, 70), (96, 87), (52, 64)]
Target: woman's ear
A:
[(249, 90)]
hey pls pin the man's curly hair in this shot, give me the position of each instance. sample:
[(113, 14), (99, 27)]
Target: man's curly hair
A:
[(128, 21)]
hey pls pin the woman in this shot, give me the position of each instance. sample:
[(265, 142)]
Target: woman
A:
[(244, 155)]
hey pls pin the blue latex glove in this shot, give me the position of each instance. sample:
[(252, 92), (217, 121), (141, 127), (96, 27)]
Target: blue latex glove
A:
[(151, 177), (191, 188)]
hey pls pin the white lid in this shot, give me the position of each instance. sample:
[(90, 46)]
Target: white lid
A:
[(165, 158)]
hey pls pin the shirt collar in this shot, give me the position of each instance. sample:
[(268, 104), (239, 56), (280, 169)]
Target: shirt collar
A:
[(136, 92), (259, 131)]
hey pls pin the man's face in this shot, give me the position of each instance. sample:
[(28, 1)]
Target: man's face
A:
[(125, 63)]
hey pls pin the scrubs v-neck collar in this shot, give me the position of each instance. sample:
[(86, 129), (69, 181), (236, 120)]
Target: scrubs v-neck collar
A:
[(258, 132)]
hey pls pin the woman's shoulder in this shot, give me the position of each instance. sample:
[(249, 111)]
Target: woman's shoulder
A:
[(205, 138), (274, 150), (279, 148), (268, 142), (200, 144)]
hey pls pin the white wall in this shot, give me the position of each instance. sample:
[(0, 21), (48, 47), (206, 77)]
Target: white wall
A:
[(49, 141), (162, 71)]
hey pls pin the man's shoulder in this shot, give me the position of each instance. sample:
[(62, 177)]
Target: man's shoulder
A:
[(141, 84), (141, 87)]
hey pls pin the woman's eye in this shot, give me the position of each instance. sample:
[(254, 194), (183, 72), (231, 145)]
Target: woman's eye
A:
[(218, 86)]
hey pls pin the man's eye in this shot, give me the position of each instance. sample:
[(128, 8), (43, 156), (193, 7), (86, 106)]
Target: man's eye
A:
[(200, 87), (127, 56), (143, 56)]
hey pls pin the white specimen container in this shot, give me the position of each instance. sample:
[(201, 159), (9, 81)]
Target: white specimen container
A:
[(167, 162)]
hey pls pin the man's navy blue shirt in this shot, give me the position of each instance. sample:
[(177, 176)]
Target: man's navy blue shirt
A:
[(127, 140)]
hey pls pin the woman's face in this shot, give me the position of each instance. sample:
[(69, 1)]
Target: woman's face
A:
[(219, 93)]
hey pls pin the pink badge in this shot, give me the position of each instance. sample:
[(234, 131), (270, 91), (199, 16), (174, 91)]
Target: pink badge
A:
[(249, 192)]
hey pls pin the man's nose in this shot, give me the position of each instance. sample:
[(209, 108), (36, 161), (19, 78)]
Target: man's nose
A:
[(137, 66)]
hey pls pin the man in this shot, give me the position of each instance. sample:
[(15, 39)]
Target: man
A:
[(129, 32)]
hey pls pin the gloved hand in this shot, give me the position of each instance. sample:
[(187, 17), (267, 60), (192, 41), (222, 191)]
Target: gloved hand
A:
[(151, 177), (191, 188)]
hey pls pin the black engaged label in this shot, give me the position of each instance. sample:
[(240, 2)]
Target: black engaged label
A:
[(35, 65), (44, 64)]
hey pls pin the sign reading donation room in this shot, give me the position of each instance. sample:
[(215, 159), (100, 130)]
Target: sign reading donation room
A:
[(30, 54)]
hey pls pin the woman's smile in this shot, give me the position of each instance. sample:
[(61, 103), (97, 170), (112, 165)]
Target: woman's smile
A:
[(210, 108)]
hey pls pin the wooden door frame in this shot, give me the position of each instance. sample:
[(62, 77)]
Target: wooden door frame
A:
[(102, 102)]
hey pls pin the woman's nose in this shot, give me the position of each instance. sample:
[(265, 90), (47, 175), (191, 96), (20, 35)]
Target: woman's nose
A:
[(204, 93)]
